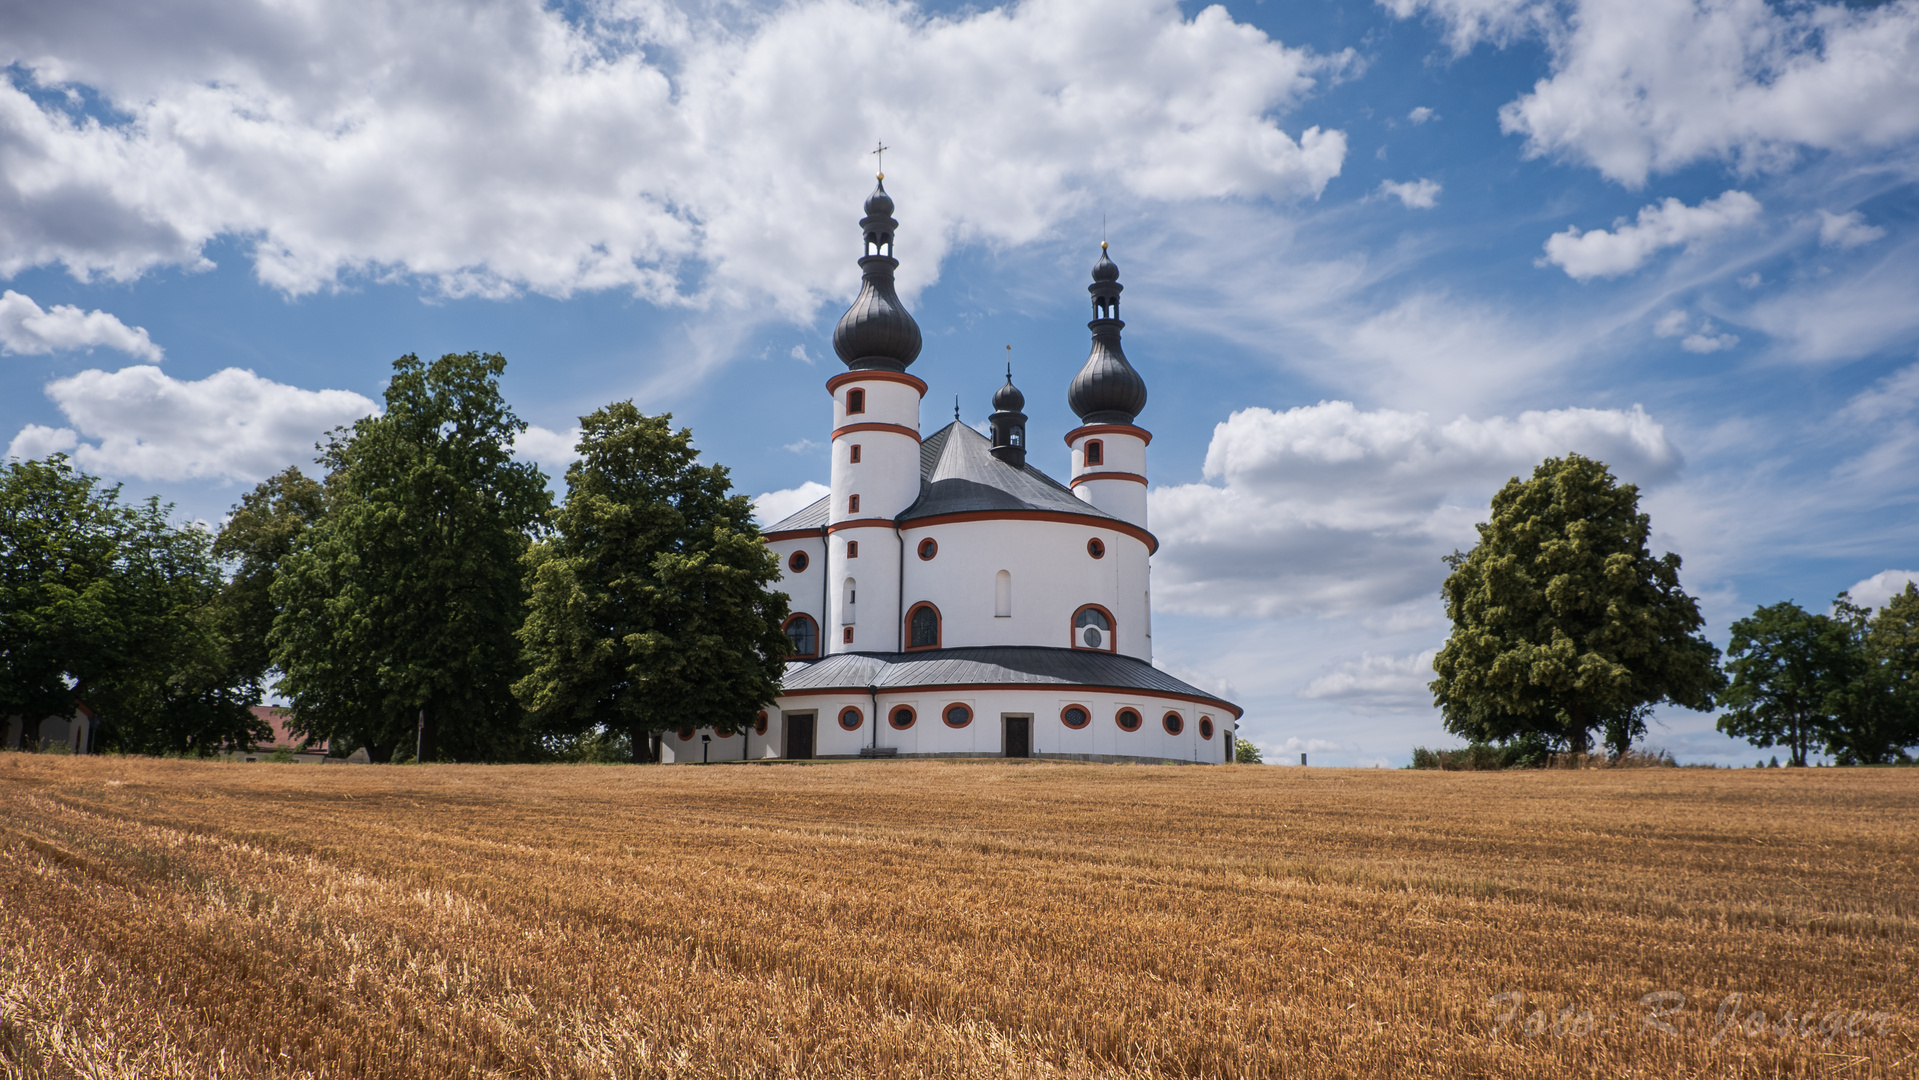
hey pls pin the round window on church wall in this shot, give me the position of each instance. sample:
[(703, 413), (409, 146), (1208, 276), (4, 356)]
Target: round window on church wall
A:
[(902, 717), (1075, 716), (686, 734), (1128, 720), (759, 725), (957, 715), (850, 718), (929, 547), (1096, 548), (1205, 727), (1173, 723), (797, 562)]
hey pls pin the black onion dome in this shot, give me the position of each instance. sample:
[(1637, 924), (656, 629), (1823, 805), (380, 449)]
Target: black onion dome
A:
[(1008, 398), (1107, 390), (877, 332)]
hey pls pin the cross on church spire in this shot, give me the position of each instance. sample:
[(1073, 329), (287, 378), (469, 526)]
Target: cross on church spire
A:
[(879, 152)]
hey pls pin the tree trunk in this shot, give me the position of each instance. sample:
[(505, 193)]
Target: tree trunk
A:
[(428, 744)]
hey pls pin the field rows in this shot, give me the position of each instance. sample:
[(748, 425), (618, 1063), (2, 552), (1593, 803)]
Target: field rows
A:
[(163, 919)]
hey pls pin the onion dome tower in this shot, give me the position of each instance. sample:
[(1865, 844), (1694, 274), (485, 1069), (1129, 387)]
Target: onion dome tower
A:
[(1109, 450), (876, 446), (1009, 423)]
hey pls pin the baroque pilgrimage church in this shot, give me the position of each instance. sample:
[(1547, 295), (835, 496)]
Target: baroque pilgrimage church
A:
[(949, 598)]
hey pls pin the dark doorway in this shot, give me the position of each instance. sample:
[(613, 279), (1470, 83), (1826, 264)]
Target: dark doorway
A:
[(1019, 736), (799, 735)]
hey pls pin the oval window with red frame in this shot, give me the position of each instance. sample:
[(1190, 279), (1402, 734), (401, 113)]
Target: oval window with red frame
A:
[(1205, 727), (928, 548), (1128, 720), (850, 718), (957, 715), (901, 717), (759, 723), (1075, 716), (1173, 723), (798, 562), (1096, 548)]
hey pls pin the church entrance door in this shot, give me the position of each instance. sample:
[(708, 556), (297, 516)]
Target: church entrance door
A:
[(799, 735), (1019, 736)]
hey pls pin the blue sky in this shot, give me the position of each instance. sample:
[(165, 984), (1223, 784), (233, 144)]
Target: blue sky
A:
[(1379, 257)]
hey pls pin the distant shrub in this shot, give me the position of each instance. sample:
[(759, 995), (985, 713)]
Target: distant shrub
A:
[(1532, 754), (282, 755)]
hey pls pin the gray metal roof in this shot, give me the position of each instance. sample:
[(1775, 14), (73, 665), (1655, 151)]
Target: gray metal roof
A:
[(1009, 665), (812, 518), (958, 473)]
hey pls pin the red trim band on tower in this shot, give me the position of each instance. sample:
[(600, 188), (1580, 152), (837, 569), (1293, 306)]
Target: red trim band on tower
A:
[(874, 425), (1139, 433), (1084, 477), (861, 523), (1134, 531), (845, 377)]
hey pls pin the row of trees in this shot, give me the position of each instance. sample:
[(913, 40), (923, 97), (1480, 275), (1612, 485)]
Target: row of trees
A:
[(424, 595), (1567, 630)]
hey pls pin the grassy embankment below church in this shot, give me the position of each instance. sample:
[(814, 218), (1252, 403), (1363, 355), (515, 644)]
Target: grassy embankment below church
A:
[(176, 919)]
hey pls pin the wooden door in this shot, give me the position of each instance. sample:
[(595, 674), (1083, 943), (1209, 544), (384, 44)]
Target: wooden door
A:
[(799, 735), (1019, 736)]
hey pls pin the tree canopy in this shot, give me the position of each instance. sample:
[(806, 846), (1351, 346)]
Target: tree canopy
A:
[(1791, 671), (649, 607), (398, 607), (1564, 624)]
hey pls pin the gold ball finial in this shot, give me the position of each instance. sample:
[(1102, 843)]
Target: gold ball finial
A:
[(1102, 245)]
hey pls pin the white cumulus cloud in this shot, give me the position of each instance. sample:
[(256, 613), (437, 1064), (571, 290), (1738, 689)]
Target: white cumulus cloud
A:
[(710, 156), (1331, 509), (1416, 194), (1599, 253), (1707, 340), (1421, 114), (140, 422), (1394, 682), (25, 328), (1880, 588), (1846, 230), (553, 449), (770, 507)]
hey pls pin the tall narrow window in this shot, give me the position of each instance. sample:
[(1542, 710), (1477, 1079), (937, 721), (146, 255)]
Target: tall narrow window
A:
[(855, 401), (1003, 595), (923, 627), (854, 457), (852, 504), (1095, 453), (847, 603), (852, 549)]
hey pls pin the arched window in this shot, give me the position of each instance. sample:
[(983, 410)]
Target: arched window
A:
[(1127, 719), (1095, 453), (923, 627), (855, 401), (1003, 594), (1096, 548), (1205, 727), (957, 715), (847, 603), (1173, 723), (1075, 716), (1093, 628), (850, 718), (798, 562), (804, 634), (901, 717), (928, 548)]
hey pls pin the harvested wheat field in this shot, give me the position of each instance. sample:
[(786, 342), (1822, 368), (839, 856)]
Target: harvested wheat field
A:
[(174, 919)]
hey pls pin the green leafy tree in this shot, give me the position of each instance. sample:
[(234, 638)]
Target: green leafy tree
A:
[(1876, 710), (1791, 670), (264, 528), (649, 607), (399, 606), (112, 605), (1564, 624), (1245, 753)]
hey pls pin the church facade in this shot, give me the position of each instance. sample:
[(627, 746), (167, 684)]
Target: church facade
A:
[(951, 599)]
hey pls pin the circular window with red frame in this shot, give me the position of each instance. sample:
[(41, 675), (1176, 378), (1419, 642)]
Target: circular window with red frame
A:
[(1128, 720), (1173, 723), (957, 715), (1205, 727), (850, 718), (759, 723), (1075, 716), (798, 562), (928, 548), (901, 717), (1096, 548), (686, 734)]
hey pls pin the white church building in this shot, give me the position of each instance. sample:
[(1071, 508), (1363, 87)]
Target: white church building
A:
[(949, 598)]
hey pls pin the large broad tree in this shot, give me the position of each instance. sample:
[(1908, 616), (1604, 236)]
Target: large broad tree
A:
[(649, 606), (264, 528), (397, 610), (1877, 710), (1793, 672), (1564, 624), (112, 605)]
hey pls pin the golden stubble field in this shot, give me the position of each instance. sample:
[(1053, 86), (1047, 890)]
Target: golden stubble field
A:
[(176, 919)]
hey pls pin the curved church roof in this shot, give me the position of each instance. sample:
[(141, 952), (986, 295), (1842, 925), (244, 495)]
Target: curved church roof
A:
[(996, 666)]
